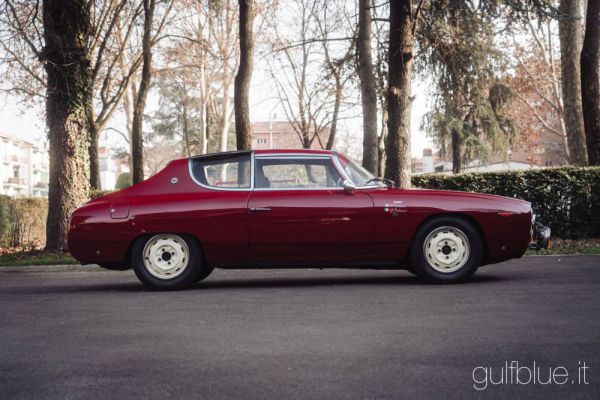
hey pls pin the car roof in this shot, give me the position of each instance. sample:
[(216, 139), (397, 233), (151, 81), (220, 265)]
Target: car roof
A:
[(292, 151), (269, 151)]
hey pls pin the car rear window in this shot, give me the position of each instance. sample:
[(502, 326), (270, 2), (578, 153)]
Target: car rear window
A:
[(223, 170)]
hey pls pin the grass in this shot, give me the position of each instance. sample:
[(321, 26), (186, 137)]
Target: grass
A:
[(569, 246), (34, 257)]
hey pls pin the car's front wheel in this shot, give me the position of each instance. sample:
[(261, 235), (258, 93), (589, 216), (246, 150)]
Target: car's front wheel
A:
[(166, 261), (446, 249)]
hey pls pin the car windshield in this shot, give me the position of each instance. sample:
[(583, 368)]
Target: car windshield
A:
[(360, 176)]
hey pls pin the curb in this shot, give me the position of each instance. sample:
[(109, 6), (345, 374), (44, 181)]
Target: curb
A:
[(54, 268)]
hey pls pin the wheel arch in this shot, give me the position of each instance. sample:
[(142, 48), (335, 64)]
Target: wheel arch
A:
[(465, 217)]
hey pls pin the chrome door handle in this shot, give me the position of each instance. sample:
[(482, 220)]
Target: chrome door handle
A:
[(259, 209)]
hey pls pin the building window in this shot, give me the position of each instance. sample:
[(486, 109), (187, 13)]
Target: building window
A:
[(261, 141)]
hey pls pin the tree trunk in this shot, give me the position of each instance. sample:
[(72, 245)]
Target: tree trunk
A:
[(225, 122), (336, 113), (243, 77), (95, 182), (456, 155), (367, 87), (400, 61), (69, 90), (137, 151), (590, 81), (570, 52)]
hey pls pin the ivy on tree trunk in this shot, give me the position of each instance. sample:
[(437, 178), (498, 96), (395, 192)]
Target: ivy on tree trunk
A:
[(69, 89)]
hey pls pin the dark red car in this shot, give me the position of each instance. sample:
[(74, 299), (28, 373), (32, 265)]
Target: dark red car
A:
[(293, 208)]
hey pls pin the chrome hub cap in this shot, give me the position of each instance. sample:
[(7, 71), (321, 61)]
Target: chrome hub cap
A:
[(166, 256), (446, 249)]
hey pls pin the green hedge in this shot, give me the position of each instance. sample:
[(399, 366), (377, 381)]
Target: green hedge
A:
[(567, 198)]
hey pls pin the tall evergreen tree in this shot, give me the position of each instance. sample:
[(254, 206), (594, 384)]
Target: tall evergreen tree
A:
[(467, 120)]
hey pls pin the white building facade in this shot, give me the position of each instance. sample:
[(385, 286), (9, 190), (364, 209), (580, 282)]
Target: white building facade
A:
[(24, 168)]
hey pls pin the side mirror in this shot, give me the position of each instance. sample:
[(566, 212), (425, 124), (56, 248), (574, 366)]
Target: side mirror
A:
[(349, 187)]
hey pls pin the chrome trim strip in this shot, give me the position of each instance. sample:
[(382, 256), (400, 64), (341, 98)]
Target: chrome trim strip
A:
[(293, 156), (342, 171), (301, 156), (299, 189), (290, 156), (248, 189)]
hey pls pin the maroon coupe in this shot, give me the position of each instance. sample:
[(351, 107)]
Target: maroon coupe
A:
[(293, 208)]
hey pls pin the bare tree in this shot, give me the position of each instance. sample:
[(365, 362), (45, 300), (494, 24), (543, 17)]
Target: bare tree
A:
[(570, 32), (337, 65), (242, 79), (368, 87), (537, 85), (590, 81), (113, 27), (67, 31), (311, 91)]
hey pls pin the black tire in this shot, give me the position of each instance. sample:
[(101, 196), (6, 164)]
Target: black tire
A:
[(205, 272), (425, 268), (192, 267)]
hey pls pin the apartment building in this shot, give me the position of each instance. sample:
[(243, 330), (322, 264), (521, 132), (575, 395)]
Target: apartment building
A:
[(279, 135), (23, 167)]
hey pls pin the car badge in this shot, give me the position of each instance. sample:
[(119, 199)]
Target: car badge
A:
[(394, 208)]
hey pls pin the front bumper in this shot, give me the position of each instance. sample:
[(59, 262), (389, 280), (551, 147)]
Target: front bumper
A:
[(540, 238)]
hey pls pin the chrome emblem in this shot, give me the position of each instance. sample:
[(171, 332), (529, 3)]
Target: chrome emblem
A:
[(394, 208)]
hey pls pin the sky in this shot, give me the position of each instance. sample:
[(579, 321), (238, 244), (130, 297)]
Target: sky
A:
[(19, 121)]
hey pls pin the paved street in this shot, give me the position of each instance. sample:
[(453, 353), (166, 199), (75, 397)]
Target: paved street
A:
[(300, 334)]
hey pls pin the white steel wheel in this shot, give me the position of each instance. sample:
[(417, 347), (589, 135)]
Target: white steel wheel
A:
[(446, 249), (166, 256)]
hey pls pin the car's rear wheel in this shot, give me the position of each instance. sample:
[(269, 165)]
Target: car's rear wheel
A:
[(167, 261), (446, 249)]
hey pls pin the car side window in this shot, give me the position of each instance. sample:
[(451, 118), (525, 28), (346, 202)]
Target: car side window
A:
[(223, 170), (296, 173)]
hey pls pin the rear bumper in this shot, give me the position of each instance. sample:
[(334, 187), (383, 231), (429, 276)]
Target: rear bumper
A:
[(540, 239)]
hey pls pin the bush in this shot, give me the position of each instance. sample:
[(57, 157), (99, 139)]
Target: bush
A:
[(567, 198), (123, 181), (23, 221)]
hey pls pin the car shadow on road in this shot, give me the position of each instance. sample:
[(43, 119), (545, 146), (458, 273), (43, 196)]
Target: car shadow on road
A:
[(268, 282), (293, 282)]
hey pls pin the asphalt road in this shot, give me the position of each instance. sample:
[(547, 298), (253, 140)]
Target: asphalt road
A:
[(301, 334)]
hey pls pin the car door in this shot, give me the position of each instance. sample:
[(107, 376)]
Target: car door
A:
[(219, 215), (299, 211)]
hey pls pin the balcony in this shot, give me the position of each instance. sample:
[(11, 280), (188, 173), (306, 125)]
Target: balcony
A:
[(15, 181), (41, 185)]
